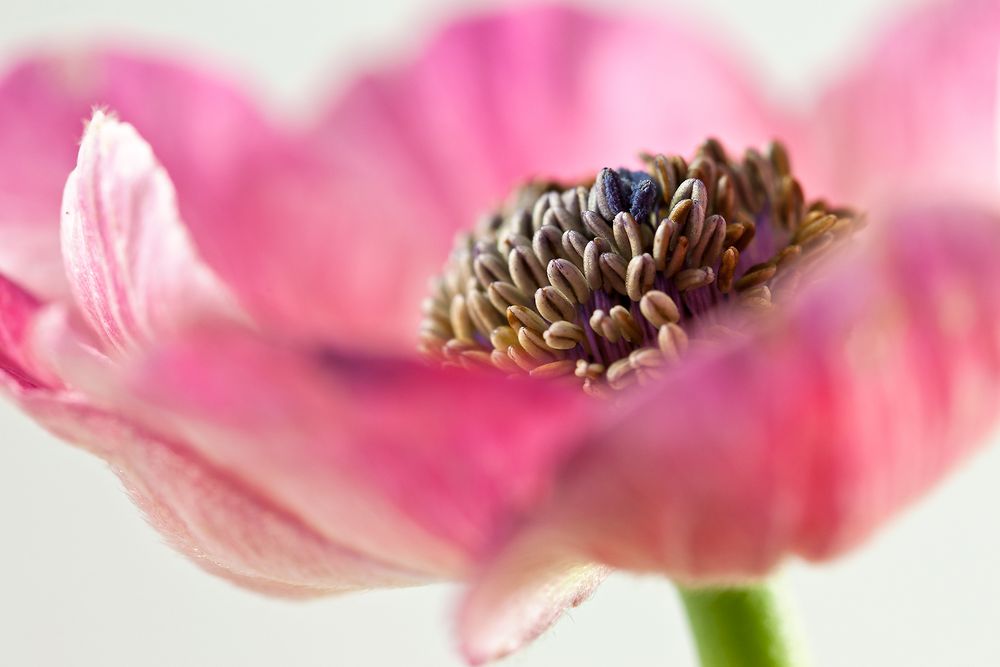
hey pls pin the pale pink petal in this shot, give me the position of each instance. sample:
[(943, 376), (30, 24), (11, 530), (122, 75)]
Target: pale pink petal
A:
[(132, 269), (410, 464), (226, 527), (495, 623), (206, 132), (919, 113), (801, 441), (418, 151), (224, 524)]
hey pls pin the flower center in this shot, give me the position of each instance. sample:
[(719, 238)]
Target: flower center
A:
[(609, 280)]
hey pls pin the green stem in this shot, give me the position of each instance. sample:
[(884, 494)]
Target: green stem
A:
[(738, 627)]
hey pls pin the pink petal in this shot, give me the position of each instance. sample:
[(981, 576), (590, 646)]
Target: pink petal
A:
[(919, 113), (17, 310), (205, 131), (800, 442), (412, 465), (494, 623), (221, 524), (130, 263), (397, 461), (226, 527), (551, 91), (420, 150)]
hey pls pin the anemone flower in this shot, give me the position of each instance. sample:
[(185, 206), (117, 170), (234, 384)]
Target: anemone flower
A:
[(698, 364)]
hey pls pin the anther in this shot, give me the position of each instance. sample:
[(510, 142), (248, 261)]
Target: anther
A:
[(489, 269), (603, 282), (503, 337), (592, 262), (627, 235), (639, 276), (690, 279), (547, 243), (554, 369), (598, 226), (483, 314), (756, 275), (534, 344), (564, 335), (614, 270), (503, 295), (626, 324), (677, 258), (525, 269), (520, 316), (574, 245), (553, 305), (672, 341), (659, 309), (727, 269), (566, 278), (604, 326), (461, 323), (661, 243)]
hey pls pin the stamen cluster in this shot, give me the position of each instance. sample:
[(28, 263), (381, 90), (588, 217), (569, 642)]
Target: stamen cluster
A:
[(608, 280)]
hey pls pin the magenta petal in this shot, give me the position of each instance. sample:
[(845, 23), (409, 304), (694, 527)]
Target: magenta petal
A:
[(205, 131), (412, 465), (550, 91), (18, 309), (421, 150), (801, 441), (222, 525), (919, 114), (131, 265)]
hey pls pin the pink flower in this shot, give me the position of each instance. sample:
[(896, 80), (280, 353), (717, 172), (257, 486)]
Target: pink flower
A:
[(230, 317)]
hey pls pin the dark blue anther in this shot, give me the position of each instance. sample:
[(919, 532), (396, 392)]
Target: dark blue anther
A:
[(612, 191), (632, 178), (644, 193)]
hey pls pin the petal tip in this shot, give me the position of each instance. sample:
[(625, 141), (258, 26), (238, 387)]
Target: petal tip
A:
[(517, 600)]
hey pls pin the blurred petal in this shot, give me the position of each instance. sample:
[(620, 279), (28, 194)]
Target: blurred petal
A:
[(215, 519), (420, 150), (224, 526), (494, 623), (205, 131), (802, 441), (130, 263), (919, 114), (549, 91), (221, 524), (17, 309), (412, 465)]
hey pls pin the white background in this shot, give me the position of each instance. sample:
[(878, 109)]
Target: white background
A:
[(83, 581)]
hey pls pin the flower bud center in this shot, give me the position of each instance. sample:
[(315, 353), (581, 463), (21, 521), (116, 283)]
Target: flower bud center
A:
[(610, 279)]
